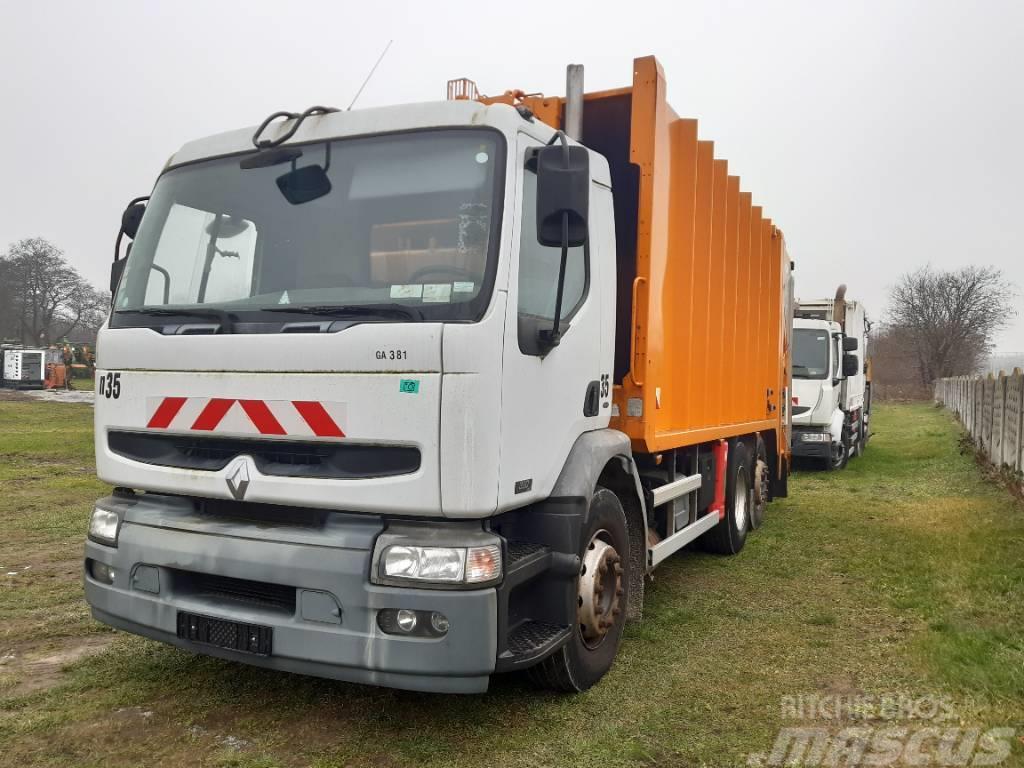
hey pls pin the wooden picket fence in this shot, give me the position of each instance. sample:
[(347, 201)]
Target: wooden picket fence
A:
[(992, 410)]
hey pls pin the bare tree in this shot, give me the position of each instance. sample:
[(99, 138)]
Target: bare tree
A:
[(8, 309), (45, 297), (950, 318)]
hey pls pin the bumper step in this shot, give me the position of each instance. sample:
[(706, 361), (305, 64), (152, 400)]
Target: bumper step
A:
[(532, 640)]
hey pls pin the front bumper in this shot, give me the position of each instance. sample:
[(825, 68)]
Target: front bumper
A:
[(330, 630), (820, 449)]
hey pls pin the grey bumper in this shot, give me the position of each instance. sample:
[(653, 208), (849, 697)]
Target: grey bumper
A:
[(817, 449), (331, 630)]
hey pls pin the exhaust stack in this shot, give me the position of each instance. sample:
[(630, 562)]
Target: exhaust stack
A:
[(574, 101), (839, 307)]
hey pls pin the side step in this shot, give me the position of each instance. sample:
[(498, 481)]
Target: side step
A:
[(680, 539), (530, 641)]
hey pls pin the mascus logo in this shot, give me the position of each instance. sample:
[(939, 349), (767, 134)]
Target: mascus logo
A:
[(300, 418)]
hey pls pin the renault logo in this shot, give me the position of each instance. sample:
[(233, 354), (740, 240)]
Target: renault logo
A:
[(238, 479)]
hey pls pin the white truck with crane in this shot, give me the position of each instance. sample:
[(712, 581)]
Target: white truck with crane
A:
[(414, 395), (831, 380)]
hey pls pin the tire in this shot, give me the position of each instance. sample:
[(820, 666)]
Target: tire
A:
[(729, 536), (760, 485), (837, 460), (584, 659)]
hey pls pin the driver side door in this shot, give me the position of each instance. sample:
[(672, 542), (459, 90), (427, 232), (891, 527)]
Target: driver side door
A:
[(548, 394)]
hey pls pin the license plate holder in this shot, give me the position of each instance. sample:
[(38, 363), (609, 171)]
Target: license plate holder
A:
[(254, 639)]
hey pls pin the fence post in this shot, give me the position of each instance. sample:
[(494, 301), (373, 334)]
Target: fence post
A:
[(998, 420), (1014, 409)]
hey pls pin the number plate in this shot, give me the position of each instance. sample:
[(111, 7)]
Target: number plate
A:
[(233, 635)]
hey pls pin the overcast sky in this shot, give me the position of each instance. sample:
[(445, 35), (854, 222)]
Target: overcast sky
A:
[(879, 135)]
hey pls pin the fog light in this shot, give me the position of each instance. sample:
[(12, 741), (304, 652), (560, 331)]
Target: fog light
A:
[(406, 620), (411, 623), (439, 622), (101, 572)]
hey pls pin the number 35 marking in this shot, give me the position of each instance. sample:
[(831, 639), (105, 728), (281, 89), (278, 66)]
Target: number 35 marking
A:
[(110, 385)]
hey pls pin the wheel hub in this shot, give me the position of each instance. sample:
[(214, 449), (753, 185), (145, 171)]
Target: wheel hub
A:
[(761, 483), (600, 590), (741, 501)]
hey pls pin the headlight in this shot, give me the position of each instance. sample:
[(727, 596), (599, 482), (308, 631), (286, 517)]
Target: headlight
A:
[(814, 437), (442, 565), (103, 527)]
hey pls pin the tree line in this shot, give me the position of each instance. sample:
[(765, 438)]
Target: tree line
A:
[(43, 299), (938, 324)]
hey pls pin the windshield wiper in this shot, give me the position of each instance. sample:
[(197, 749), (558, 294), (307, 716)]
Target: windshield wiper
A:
[(226, 323), (338, 310)]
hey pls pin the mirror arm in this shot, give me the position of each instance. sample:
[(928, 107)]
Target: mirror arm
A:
[(117, 245), (552, 338)]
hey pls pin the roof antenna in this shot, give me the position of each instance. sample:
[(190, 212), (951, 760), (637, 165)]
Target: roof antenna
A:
[(372, 70)]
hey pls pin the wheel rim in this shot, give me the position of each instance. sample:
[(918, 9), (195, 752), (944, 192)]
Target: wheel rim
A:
[(837, 454), (761, 483), (600, 590), (740, 502)]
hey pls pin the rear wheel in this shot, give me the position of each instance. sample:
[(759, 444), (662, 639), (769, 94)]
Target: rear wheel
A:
[(729, 536), (602, 597), (761, 487)]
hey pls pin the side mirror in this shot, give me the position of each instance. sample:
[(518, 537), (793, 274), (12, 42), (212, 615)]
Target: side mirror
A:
[(131, 218), (563, 195), (850, 365), (850, 343)]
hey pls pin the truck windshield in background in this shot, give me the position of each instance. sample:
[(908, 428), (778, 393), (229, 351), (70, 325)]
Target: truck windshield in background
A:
[(406, 219), (810, 353)]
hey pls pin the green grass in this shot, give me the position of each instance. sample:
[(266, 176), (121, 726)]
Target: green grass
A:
[(903, 573)]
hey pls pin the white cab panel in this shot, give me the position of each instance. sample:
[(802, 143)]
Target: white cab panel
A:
[(368, 408)]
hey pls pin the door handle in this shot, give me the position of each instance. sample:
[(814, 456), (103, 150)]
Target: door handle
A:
[(592, 400)]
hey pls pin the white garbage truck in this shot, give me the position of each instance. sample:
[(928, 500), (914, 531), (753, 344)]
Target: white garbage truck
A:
[(414, 395), (831, 380)]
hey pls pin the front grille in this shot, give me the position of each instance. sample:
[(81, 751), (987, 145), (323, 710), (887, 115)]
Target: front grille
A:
[(799, 409), (213, 587), (283, 458), (272, 514)]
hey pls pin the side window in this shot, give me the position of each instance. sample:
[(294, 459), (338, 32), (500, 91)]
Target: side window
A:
[(538, 266)]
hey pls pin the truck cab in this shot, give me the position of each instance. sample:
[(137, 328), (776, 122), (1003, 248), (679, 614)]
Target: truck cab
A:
[(831, 387)]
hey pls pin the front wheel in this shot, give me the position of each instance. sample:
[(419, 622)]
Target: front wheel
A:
[(602, 597), (839, 454)]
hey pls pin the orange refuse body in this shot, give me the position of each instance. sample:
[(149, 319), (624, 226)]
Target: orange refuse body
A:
[(704, 307)]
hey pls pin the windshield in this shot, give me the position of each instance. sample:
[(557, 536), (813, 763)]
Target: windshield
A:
[(402, 220), (810, 353)]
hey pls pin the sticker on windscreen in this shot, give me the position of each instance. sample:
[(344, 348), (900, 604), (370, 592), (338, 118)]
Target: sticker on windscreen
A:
[(459, 287), (410, 291), (437, 293)]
